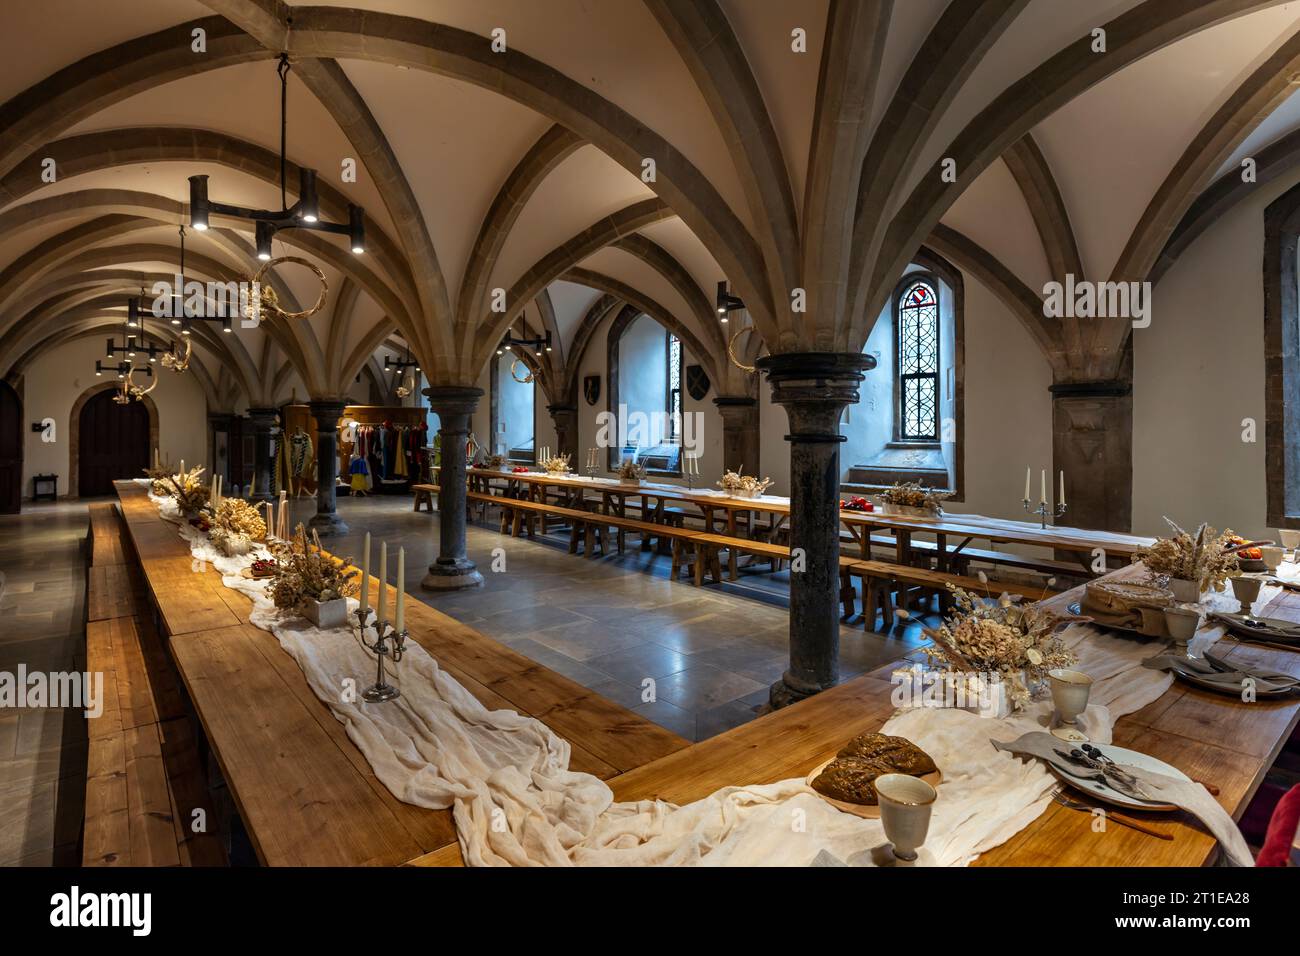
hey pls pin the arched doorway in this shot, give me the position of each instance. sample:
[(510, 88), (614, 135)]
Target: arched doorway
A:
[(113, 442), (11, 450)]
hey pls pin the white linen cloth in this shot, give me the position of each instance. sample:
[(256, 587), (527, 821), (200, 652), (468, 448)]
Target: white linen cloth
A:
[(516, 802)]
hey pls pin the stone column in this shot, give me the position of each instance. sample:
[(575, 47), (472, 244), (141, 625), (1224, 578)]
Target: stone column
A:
[(264, 420), (566, 432), (1092, 442), (219, 423), (739, 431), (453, 570), (326, 411), (814, 388)]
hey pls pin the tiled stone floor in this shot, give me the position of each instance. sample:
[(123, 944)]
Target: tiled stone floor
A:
[(613, 622), (42, 752)]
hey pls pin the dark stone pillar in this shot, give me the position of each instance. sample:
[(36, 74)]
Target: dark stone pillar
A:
[(264, 421), (220, 424), (739, 432), (565, 418), (814, 388), (1092, 442), (453, 570), (326, 520)]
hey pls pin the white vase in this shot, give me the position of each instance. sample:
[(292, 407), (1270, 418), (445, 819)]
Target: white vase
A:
[(889, 508), (325, 614), (1185, 591)]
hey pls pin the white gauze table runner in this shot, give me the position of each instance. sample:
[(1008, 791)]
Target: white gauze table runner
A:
[(516, 802)]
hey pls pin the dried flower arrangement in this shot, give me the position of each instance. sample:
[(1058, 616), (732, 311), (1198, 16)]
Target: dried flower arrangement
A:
[(188, 488), (497, 461), (304, 571), (556, 464), (739, 484), (630, 471), (913, 494), (1206, 557), (236, 524), (1017, 641)]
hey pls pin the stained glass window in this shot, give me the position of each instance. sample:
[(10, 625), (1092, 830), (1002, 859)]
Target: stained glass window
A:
[(918, 363), (674, 387)]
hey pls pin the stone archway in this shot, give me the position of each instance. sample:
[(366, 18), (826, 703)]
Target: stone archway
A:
[(74, 431)]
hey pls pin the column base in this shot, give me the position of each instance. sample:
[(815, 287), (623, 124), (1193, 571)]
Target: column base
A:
[(326, 524), (452, 576), (785, 692)]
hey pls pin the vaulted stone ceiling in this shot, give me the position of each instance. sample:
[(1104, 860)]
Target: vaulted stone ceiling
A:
[(521, 170)]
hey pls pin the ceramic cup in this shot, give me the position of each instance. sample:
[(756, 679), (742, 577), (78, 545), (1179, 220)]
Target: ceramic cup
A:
[(1070, 690), (1272, 556), (1246, 590), (1182, 622), (1290, 538), (905, 804)]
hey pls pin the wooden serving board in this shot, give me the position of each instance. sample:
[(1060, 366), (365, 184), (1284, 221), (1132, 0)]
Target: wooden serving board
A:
[(866, 811)]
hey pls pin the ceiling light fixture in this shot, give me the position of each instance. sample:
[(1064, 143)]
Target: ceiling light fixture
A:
[(304, 214), (727, 302)]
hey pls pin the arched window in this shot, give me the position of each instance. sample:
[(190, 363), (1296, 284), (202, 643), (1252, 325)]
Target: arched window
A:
[(908, 422), (514, 408), (645, 393), (917, 363)]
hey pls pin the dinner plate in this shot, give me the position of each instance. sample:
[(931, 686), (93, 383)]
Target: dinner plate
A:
[(866, 811), (1106, 793), (1232, 690)]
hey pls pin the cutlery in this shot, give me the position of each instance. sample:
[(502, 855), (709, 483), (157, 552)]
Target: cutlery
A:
[(1105, 773), (1124, 821), (1093, 751)]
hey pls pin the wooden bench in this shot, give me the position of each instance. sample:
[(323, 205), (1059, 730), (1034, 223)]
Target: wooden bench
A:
[(146, 801), (881, 578), (424, 495)]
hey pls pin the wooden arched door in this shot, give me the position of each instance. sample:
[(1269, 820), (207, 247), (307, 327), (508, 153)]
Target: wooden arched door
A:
[(113, 442), (11, 450)]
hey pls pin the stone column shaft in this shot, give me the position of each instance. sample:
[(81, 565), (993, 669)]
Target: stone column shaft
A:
[(814, 388), (263, 420), (452, 570), (565, 418), (326, 520), (739, 432), (1092, 442)]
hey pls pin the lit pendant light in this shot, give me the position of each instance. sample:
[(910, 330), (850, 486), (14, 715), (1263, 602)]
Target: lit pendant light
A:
[(304, 214)]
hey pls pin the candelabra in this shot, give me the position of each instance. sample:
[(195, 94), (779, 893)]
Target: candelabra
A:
[(1044, 510), (384, 632)]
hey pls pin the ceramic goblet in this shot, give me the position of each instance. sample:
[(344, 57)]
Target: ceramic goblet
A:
[(905, 804), (1290, 538), (1070, 690), (1181, 621), (1272, 557), (1246, 590)]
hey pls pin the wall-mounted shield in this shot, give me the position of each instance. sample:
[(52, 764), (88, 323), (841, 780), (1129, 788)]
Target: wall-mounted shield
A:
[(697, 382), (591, 389)]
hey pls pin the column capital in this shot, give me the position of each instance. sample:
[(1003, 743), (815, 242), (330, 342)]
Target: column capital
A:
[(814, 387), (327, 412), (453, 399), (259, 415), (221, 420)]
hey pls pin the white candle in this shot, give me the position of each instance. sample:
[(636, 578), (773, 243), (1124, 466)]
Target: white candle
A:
[(365, 578), (1061, 499), (221, 481), (1042, 487), (182, 471), (401, 590), (383, 579), (1027, 482)]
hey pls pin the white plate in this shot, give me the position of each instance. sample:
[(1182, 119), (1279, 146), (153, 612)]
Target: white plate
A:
[(1132, 758)]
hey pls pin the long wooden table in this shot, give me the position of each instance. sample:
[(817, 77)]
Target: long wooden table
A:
[(306, 794), (1210, 737), (716, 507)]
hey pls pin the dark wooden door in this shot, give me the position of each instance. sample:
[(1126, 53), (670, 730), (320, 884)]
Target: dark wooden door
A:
[(114, 443), (11, 450)]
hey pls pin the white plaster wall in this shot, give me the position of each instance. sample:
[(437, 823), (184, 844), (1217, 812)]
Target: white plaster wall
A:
[(1198, 372), (52, 385)]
